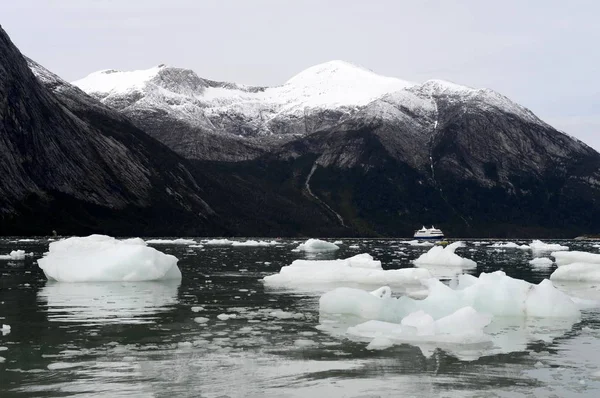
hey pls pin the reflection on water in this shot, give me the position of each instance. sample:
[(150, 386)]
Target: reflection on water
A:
[(112, 302)]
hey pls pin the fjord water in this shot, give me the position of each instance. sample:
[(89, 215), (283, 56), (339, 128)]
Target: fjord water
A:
[(141, 339)]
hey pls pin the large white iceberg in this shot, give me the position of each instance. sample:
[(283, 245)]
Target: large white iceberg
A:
[(494, 294), (577, 272), (359, 269), (439, 255), (564, 258), (317, 245), (101, 258), (541, 262)]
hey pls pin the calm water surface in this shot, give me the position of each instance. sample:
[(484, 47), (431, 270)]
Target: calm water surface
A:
[(142, 340)]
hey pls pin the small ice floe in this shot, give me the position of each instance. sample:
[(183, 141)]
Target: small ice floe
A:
[(15, 255), (201, 319), (171, 241), (224, 317), (338, 242), (417, 243), (541, 262), (356, 247), (302, 343), (196, 246), (509, 245), (564, 258), (101, 258), (539, 246), (5, 329), (577, 272), (279, 314), (197, 309), (218, 242), (439, 255), (359, 269), (255, 243), (317, 245)]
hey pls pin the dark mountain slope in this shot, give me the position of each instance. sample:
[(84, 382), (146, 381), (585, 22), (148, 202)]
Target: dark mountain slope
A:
[(73, 165)]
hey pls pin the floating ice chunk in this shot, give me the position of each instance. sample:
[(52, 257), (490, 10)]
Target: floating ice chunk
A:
[(15, 255), (5, 329), (354, 247), (464, 326), (62, 365), (380, 343), (317, 245), (225, 317), (358, 269), (197, 309), (417, 243), (301, 343), (201, 319), (100, 258), (171, 242), (218, 242), (338, 242), (539, 246), (563, 258), (196, 246), (255, 243), (541, 262), (509, 245), (494, 294), (577, 272), (439, 255)]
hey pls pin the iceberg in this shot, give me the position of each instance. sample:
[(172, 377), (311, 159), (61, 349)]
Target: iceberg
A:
[(101, 258), (564, 258), (495, 294), (255, 243), (317, 245), (218, 242), (539, 246), (509, 245), (541, 262), (577, 272), (359, 269), (439, 255), (15, 255)]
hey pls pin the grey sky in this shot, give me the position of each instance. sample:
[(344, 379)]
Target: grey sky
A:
[(543, 54)]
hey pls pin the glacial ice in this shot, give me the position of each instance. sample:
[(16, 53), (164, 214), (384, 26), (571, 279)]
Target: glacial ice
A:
[(255, 243), (577, 272), (564, 258), (542, 262), (439, 255), (218, 242), (15, 255), (539, 246), (509, 245), (359, 269), (317, 245), (101, 258), (171, 241), (464, 326), (494, 294)]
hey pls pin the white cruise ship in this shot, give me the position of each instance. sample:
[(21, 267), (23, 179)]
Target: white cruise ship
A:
[(429, 233)]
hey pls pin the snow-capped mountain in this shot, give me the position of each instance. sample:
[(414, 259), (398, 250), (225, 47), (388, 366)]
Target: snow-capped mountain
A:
[(185, 111), (379, 155)]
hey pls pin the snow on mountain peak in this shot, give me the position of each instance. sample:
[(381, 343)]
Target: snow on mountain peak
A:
[(111, 81)]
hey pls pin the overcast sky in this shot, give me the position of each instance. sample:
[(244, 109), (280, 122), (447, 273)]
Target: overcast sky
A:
[(544, 55)]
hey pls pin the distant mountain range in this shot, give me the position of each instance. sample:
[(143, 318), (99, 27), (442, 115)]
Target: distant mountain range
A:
[(335, 151)]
